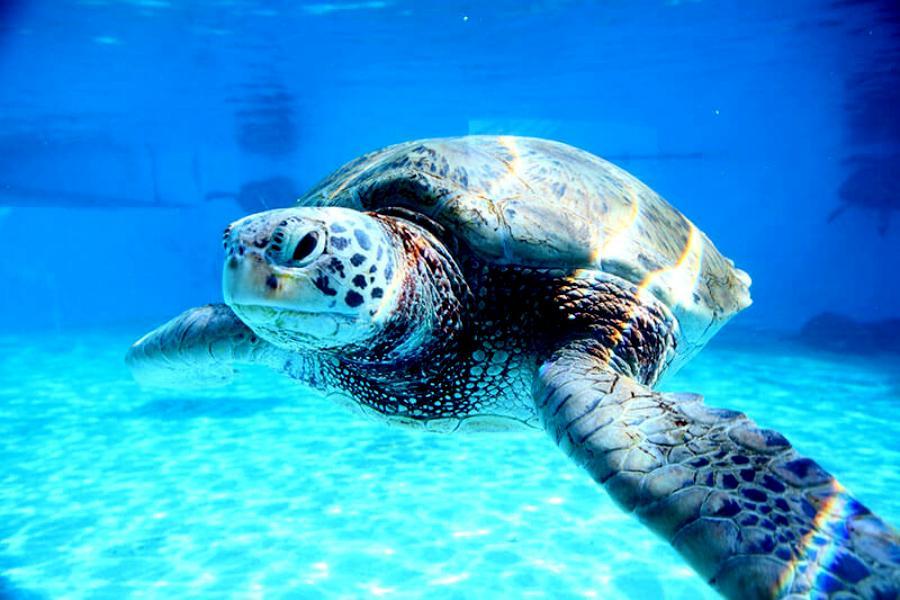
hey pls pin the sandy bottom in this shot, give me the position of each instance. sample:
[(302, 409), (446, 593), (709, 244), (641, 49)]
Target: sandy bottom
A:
[(257, 490)]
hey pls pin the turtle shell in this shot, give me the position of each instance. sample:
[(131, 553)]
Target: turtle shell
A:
[(534, 202)]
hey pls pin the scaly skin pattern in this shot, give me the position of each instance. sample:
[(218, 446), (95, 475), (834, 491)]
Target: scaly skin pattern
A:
[(203, 343), (751, 516), (490, 325), (493, 323)]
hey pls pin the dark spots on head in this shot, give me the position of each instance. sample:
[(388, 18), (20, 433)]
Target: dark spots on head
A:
[(272, 282), (379, 253), (337, 266), (388, 272), (377, 292), (353, 299), (321, 282), (730, 481), (338, 228), (373, 268), (740, 459), (748, 474), (241, 250), (261, 243), (340, 243), (363, 239), (357, 259), (360, 281), (783, 553)]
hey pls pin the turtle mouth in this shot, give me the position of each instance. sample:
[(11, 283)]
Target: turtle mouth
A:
[(264, 312), (297, 329)]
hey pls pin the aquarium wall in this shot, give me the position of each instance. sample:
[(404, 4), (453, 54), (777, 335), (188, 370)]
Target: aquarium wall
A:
[(132, 133)]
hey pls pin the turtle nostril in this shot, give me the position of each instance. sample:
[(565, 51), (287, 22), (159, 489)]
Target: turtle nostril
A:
[(306, 246)]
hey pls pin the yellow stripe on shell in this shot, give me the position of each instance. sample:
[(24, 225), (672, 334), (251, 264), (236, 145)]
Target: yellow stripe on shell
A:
[(610, 239), (678, 282), (513, 167)]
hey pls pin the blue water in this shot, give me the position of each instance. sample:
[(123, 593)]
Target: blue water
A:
[(128, 128), (255, 490)]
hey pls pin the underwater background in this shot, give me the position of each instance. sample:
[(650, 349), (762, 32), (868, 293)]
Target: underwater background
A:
[(132, 132)]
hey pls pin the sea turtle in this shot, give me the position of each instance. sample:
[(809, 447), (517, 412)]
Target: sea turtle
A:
[(485, 283)]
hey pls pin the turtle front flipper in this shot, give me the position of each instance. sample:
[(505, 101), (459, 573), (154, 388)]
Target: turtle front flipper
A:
[(749, 514), (199, 347)]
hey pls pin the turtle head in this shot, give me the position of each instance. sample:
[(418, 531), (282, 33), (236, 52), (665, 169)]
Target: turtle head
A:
[(313, 277)]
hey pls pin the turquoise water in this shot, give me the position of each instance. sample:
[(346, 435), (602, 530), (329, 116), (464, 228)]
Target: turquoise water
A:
[(133, 131), (257, 490)]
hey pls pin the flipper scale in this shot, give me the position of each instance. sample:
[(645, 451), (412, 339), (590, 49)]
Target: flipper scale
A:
[(751, 515)]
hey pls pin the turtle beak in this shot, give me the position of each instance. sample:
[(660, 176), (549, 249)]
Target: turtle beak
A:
[(245, 276), (255, 278), (275, 259)]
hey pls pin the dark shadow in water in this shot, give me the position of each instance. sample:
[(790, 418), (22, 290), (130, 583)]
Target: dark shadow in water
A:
[(266, 119), (872, 121), (262, 194), (178, 409), (832, 332), (873, 184)]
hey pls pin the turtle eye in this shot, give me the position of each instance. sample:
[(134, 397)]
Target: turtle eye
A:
[(305, 246)]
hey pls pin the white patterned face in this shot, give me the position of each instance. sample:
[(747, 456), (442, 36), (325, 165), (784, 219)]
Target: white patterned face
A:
[(306, 278)]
